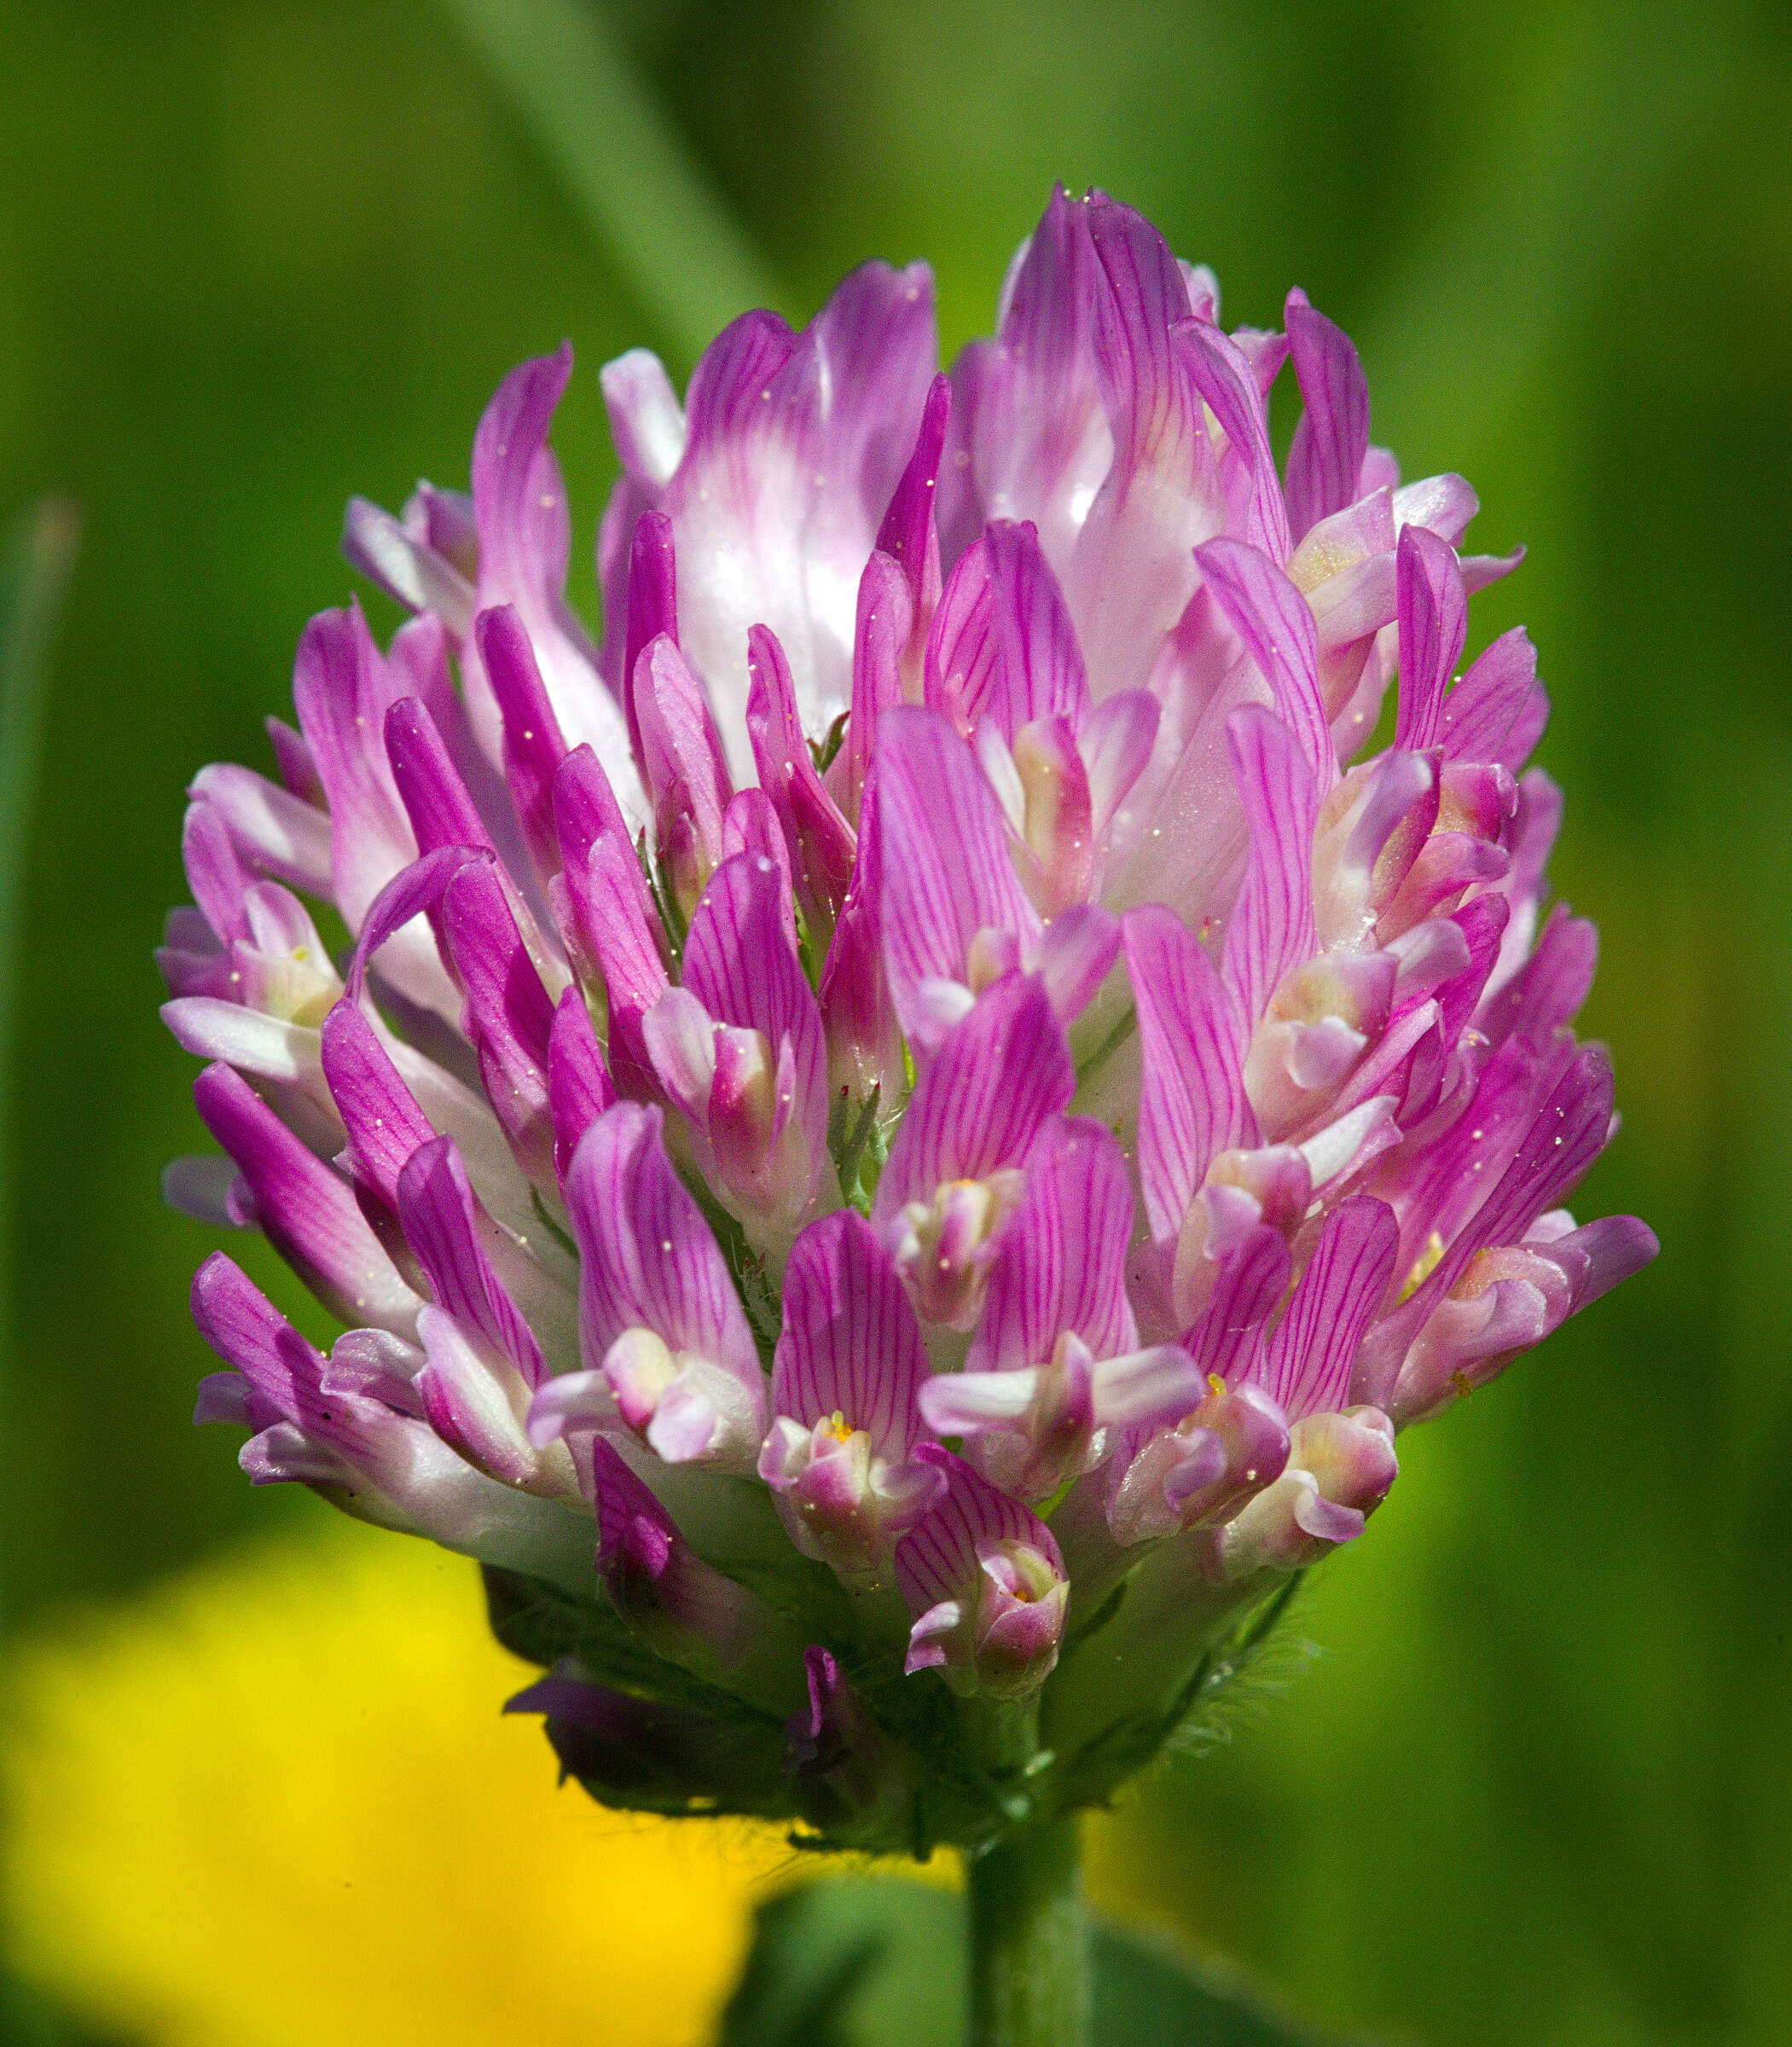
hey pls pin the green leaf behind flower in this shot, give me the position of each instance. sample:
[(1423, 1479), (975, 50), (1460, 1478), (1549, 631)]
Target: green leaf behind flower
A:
[(876, 1962)]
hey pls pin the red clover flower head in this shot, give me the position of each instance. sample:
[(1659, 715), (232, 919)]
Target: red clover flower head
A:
[(925, 1101)]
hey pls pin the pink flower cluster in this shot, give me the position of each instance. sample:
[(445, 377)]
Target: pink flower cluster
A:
[(924, 1030)]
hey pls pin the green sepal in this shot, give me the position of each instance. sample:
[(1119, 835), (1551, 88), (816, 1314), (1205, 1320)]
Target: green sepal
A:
[(1191, 1720), (860, 1147), (753, 1283), (738, 1775), (544, 1625)]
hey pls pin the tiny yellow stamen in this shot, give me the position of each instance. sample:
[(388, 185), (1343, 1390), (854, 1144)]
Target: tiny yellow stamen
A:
[(1424, 1264)]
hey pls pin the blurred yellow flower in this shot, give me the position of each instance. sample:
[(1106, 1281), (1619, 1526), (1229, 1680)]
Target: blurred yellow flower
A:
[(274, 1804)]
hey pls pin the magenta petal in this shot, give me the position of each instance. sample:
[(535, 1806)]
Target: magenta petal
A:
[(739, 965), (1060, 1262), (533, 747), (908, 535), (1434, 626), (1307, 1361), (647, 1260), (1029, 435), (1270, 928), (985, 1579), (509, 1014), (1145, 389), (682, 762), (1615, 1247), (655, 1579), (1445, 504), (1568, 1132), (844, 1769), (880, 651), (343, 691), (1193, 1037), (653, 603), (1041, 674), (796, 444), (413, 892), (1500, 690), (820, 840), (584, 808), (646, 421), (214, 873), (1130, 574), (945, 859), (274, 832), (1080, 945), (1556, 1147), (609, 921), (380, 1114), (243, 1326), (997, 1082), (520, 507), (1116, 744), (963, 653), (1548, 990), (579, 1087), (680, 1036), (307, 1210), (864, 1041), (469, 1404), (1273, 619), (1325, 458), (1253, 1277), (441, 1217), (850, 1345), (1221, 374), (436, 800), (1481, 922), (405, 566), (938, 1560)]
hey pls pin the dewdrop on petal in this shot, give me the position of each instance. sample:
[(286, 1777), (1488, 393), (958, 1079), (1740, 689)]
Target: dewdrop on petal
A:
[(914, 1097)]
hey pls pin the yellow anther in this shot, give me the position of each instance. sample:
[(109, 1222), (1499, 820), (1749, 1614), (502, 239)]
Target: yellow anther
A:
[(1424, 1264)]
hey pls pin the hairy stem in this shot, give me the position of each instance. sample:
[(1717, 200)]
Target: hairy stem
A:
[(1030, 1968)]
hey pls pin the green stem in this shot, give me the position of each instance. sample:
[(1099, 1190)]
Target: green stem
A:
[(1029, 1965)]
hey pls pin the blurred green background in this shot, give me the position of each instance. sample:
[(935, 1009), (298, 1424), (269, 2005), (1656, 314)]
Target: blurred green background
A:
[(255, 257)]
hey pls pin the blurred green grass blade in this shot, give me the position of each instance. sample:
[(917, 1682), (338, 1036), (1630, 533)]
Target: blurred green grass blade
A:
[(37, 556), (35, 560), (648, 204)]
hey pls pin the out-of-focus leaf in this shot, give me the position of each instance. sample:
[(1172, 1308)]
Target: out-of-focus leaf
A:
[(645, 200), (877, 1962), (1148, 1996), (869, 1962)]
